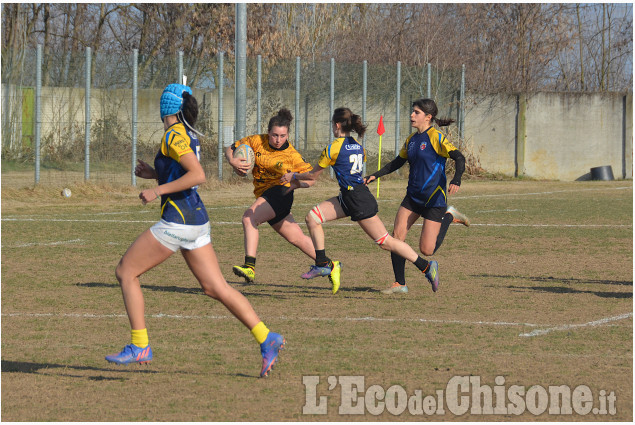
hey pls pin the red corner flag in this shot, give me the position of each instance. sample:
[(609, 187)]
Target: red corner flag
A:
[(380, 128)]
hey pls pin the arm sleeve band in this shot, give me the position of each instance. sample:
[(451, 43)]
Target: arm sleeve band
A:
[(393, 165), (459, 162)]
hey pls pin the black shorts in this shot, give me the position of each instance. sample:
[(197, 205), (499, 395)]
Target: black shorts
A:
[(429, 213), (280, 202), (358, 203)]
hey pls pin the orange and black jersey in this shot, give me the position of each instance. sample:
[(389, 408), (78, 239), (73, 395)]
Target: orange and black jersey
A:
[(271, 164)]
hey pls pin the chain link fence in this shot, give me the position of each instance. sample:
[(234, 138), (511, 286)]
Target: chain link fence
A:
[(64, 132)]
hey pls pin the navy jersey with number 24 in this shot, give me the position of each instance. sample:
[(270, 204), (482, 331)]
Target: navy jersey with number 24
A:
[(347, 158)]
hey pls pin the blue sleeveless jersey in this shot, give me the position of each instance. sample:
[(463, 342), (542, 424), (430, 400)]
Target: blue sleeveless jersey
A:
[(185, 207), (347, 158), (427, 153)]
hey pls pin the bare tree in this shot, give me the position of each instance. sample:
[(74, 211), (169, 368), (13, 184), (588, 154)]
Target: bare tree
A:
[(505, 47)]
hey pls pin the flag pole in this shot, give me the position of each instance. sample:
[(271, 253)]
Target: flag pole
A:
[(380, 131)]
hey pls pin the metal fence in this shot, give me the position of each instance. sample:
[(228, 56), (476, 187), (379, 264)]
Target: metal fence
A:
[(87, 117)]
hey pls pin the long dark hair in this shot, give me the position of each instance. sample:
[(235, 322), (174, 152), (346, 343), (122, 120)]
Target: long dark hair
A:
[(430, 107), (189, 110), (282, 119), (349, 120)]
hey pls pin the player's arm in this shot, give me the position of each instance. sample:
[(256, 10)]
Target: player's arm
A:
[(239, 164), (194, 175), (145, 170), (302, 180), (459, 166), (308, 177), (392, 166)]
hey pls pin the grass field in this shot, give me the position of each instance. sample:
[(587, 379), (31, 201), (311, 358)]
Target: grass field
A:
[(538, 291)]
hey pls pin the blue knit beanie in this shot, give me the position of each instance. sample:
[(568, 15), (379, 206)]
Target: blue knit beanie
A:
[(172, 99)]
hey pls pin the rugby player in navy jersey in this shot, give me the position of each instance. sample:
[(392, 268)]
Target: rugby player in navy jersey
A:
[(184, 226), (426, 150), (347, 158)]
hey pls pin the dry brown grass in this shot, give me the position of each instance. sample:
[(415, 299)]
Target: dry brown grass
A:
[(540, 255)]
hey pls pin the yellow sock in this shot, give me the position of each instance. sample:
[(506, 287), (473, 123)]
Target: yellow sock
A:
[(260, 332), (140, 337)]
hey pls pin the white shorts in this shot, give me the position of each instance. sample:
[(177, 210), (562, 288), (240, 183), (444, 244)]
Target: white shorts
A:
[(175, 236)]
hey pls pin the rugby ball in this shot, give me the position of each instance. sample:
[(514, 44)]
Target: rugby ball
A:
[(245, 151)]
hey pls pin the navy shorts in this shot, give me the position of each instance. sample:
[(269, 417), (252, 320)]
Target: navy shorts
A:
[(429, 213), (280, 202), (358, 203)]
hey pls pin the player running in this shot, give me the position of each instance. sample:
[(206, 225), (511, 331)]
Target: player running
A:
[(184, 225), (275, 156), (347, 158), (426, 150)]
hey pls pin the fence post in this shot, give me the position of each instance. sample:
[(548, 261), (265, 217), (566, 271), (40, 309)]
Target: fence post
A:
[(296, 133), (135, 89), (306, 122), (38, 111), (521, 134), (462, 105), (258, 93), (87, 120), (429, 91), (331, 101), (397, 107), (241, 70), (624, 152), (364, 93), (180, 76), (220, 84)]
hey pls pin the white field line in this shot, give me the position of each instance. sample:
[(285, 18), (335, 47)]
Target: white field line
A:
[(57, 243), (81, 220), (497, 195), (284, 318), (345, 223), (603, 321), (536, 332), (547, 225), (491, 211), (500, 195)]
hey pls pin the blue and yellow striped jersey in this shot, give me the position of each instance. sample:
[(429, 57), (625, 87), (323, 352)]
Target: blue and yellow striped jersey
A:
[(183, 207), (347, 158), (427, 153)]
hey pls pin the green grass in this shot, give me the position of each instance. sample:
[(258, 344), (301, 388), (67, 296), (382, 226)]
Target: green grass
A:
[(539, 255)]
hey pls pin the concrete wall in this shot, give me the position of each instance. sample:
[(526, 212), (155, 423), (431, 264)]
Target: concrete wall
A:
[(546, 135), (552, 135), (569, 134), (490, 132)]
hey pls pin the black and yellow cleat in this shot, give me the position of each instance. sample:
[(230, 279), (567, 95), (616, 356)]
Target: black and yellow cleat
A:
[(245, 272), (334, 277)]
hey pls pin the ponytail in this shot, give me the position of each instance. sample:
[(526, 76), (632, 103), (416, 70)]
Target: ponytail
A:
[(428, 106), (189, 112), (443, 122), (349, 120)]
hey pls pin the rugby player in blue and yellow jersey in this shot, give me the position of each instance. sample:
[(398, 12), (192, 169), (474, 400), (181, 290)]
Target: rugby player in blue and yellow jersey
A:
[(347, 158), (184, 226), (426, 150)]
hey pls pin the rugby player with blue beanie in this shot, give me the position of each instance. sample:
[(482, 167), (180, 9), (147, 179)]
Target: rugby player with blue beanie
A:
[(184, 225)]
